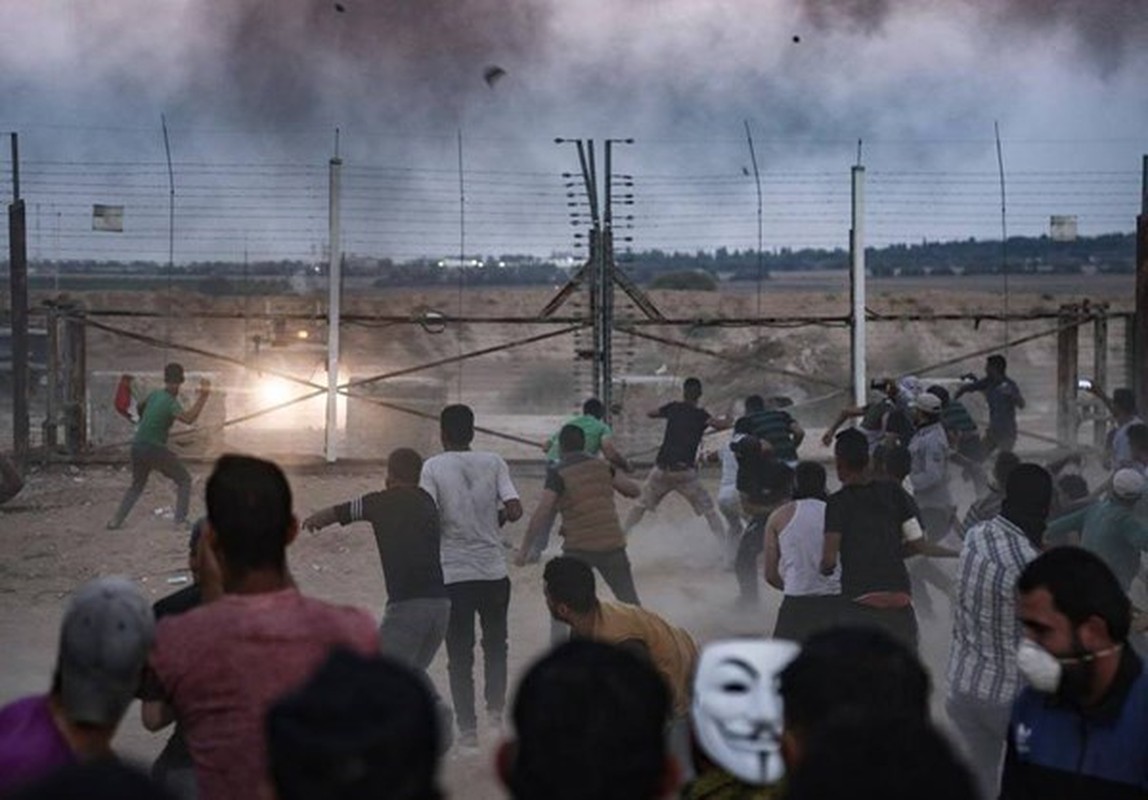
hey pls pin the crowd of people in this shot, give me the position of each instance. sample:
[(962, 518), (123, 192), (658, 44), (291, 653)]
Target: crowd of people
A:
[(271, 693)]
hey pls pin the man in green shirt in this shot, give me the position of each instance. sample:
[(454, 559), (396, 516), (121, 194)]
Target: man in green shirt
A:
[(599, 439), (161, 409), (1110, 528)]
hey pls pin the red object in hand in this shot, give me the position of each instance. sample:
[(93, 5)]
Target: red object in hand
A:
[(123, 400)]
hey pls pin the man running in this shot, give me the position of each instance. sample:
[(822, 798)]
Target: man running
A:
[(161, 409), (1003, 398), (675, 467)]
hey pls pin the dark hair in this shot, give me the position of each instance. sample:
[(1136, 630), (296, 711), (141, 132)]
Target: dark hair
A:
[(457, 423), (858, 668), (1125, 400), (887, 757), (173, 373), (743, 425), (594, 408), (692, 387), (852, 449), (1082, 586), (941, 393), (1006, 461), (99, 779), (809, 481), (589, 719), (1027, 500), (249, 507), (997, 362), (571, 439), (360, 728), (754, 403), (1072, 486), (571, 582), (405, 465), (1138, 436), (778, 478), (898, 461)]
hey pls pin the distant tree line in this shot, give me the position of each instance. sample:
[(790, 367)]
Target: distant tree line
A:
[(1108, 253)]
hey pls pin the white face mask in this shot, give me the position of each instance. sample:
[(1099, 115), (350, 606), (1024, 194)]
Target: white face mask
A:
[(1040, 668), (737, 711), (1043, 670)]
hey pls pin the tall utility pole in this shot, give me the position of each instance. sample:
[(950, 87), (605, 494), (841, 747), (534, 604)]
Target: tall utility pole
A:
[(18, 284), (600, 272), (334, 302), (857, 286), (1140, 339)]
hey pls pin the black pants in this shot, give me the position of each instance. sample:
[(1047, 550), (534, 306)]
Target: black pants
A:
[(489, 600), (614, 567), (801, 616), (148, 457), (745, 566)]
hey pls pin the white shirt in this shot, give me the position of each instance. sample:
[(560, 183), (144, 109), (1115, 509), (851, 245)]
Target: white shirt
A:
[(468, 487), (728, 460)]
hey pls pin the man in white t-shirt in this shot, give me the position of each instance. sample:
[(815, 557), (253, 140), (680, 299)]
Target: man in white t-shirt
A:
[(475, 497)]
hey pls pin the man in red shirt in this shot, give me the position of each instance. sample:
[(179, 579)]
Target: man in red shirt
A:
[(219, 667)]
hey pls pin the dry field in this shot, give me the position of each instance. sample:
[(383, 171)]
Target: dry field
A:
[(52, 536)]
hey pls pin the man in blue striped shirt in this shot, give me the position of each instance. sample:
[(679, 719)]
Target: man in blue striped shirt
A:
[(983, 679)]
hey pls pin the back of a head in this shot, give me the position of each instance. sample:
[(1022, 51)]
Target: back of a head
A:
[(754, 404), (858, 668), (570, 581), (858, 755), (1081, 586), (852, 449), (173, 373), (1072, 487), (1124, 400), (692, 388), (105, 638), (589, 723), (997, 362), (1028, 493), (457, 423), (249, 508), (809, 481), (1006, 461), (898, 462), (102, 779), (779, 479), (571, 439), (743, 425), (361, 728), (405, 465), (594, 408)]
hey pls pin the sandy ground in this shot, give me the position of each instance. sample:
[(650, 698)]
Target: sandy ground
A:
[(52, 536), (53, 539)]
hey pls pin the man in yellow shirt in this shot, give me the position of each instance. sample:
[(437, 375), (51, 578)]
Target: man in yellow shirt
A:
[(571, 598)]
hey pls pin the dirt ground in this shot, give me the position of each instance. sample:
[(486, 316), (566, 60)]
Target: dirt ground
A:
[(52, 536), (53, 540)]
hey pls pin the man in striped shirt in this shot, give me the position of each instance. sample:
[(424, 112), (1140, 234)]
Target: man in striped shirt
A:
[(774, 426), (983, 679)]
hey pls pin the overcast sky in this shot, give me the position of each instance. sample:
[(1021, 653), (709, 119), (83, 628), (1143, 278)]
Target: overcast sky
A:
[(253, 89)]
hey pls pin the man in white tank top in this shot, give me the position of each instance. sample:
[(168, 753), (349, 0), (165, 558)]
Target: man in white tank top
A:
[(794, 539)]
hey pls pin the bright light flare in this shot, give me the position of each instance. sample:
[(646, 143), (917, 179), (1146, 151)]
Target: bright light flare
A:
[(273, 391)]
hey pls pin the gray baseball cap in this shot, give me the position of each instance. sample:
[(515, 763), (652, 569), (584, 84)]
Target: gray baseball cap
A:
[(104, 643)]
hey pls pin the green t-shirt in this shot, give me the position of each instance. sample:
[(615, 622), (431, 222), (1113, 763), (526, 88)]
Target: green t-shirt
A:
[(595, 429), (159, 412)]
